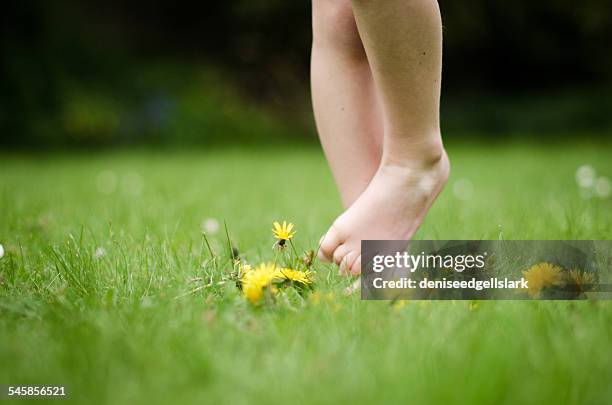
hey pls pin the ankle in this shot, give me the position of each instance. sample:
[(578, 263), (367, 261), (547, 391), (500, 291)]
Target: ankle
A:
[(422, 155)]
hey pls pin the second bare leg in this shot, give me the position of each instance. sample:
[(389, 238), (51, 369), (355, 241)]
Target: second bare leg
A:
[(345, 101)]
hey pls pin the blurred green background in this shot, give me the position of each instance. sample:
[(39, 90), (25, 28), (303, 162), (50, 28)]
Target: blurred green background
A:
[(114, 73)]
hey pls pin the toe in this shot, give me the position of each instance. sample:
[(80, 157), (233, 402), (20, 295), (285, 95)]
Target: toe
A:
[(328, 245), (347, 261), (339, 254)]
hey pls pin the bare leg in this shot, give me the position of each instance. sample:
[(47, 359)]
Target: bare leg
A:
[(347, 111), (403, 42)]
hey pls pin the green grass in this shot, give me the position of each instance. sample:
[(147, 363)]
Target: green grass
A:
[(111, 328)]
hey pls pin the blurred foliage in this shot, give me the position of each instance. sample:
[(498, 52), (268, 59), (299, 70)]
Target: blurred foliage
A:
[(163, 103), (182, 72), (527, 44)]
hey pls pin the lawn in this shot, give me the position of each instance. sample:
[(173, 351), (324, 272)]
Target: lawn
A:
[(104, 249)]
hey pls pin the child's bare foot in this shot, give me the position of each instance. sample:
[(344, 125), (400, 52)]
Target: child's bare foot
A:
[(392, 207)]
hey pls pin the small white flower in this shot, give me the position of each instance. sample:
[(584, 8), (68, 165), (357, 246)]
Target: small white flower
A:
[(210, 226), (585, 176), (100, 252), (603, 187), (1, 251), (463, 189)]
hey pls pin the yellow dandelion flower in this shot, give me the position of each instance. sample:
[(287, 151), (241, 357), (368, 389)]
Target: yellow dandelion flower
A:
[(283, 232), (298, 276), (579, 279), (256, 281), (540, 276)]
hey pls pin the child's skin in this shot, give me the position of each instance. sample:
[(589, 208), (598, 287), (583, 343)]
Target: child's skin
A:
[(376, 71)]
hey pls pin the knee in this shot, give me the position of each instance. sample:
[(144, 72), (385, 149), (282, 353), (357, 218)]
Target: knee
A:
[(334, 26)]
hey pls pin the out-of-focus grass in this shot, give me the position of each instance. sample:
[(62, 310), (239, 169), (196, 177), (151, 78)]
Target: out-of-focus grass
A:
[(99, 246)]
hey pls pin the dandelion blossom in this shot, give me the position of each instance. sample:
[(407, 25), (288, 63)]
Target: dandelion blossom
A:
[(580, 279), (256, 281), (298, 276), (283, 232), (540, 276)]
